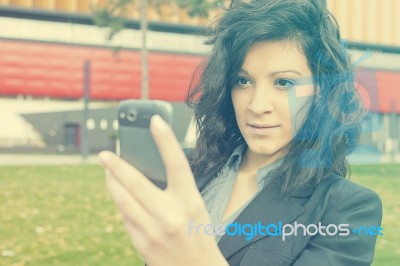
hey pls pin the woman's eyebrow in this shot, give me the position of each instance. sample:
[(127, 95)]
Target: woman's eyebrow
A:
[(286, 71), (276, 72), (243, 71)]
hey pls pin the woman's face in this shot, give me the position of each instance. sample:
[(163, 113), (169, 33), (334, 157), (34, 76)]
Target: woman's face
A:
[(272, 96)]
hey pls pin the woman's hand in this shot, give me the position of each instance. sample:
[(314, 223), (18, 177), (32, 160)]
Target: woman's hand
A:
[(157, 220)]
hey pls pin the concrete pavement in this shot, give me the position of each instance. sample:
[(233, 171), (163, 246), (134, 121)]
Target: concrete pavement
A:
[(34, 159), (62, 159)]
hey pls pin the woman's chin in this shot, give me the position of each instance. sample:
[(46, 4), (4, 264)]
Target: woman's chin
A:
[(263, 150)]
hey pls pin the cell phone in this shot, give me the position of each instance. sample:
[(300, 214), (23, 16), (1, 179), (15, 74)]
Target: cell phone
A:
[(136, 144)]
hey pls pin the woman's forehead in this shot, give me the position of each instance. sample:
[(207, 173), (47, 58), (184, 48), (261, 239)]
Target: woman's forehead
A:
[(276, 56)]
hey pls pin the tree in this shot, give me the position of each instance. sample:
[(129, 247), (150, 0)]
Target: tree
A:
[(113, 15)]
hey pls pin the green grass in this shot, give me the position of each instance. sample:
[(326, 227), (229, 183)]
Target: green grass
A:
[(385, 180), (63, 215), (60, 215)]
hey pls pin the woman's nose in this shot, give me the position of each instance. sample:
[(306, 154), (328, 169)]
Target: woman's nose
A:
[(261, 101)]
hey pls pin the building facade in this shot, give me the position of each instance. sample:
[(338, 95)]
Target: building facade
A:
[(44, 46)]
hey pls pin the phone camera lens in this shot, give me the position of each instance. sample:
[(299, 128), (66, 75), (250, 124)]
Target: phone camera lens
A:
[(132, 116)]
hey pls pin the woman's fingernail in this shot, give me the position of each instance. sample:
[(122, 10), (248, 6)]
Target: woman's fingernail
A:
[(158, 124), (103, 157)]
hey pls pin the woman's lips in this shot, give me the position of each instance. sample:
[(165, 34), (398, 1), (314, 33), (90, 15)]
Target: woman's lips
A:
[(261, 129)]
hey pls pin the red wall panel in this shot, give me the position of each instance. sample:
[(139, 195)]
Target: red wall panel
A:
[(379, 89), (390, 96), (42, 69)]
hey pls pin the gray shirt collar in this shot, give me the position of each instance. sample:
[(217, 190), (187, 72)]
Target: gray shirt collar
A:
[(236, 157)]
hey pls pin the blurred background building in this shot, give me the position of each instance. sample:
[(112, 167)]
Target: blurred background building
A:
[(44, 45)]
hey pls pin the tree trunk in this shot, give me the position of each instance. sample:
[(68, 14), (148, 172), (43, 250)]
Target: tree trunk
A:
[(143, 54)]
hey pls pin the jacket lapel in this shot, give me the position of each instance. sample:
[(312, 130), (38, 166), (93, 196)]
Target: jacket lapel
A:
[(201, 182), (267, 208)]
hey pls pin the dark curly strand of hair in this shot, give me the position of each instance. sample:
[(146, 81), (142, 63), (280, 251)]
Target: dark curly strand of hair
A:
[(332, 128)]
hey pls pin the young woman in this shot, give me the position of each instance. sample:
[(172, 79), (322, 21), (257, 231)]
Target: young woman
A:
[(277, 112)]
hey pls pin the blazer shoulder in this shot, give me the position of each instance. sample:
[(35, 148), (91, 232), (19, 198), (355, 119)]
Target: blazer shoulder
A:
[(343, 196), (352, 208), (342, 188)]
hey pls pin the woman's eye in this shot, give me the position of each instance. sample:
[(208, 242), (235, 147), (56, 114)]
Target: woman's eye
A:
[(285, 83), (241, 81)]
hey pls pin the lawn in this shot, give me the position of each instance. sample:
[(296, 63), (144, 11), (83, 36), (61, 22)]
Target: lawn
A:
[(385, 180), (60, 215), (63, 215)]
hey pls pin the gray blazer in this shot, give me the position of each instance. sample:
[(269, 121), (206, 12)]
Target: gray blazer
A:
[(335, 200)]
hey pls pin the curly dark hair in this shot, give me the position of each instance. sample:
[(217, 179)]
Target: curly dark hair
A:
[(332, 128)]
